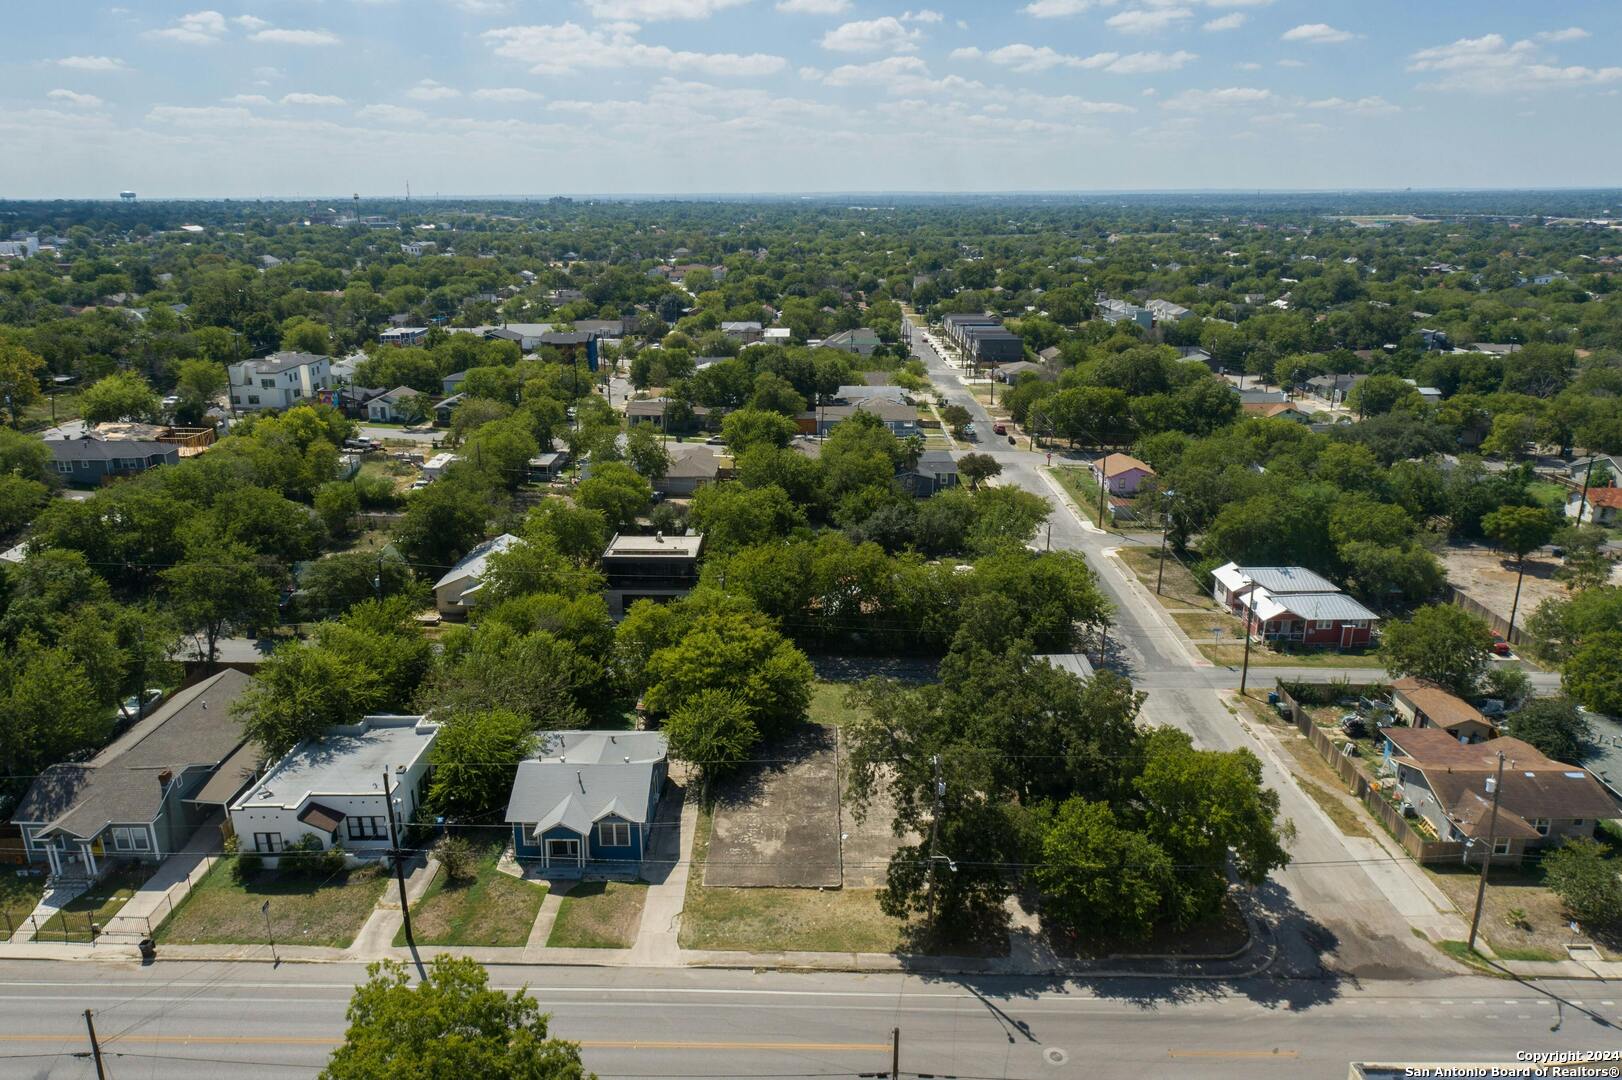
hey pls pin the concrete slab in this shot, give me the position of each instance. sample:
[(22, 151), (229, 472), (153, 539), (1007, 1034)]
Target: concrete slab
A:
[(779, 826), (867, 845)]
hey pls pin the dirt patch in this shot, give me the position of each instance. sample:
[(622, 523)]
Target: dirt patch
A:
[(1520, 918), (780, 826), (1488, 578)]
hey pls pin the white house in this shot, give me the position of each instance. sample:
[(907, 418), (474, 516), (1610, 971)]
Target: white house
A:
[(332, 788), (458, 589), (436, 465), (390, 407), (279, 381)]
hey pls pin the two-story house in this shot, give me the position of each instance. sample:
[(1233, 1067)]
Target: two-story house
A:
[(279, 381)]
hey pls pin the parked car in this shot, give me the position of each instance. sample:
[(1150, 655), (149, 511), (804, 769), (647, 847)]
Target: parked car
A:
[(1354, 726), (130, 705), (1000, 429)]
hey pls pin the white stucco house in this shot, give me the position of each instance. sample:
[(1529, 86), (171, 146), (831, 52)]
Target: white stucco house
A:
[(458, 590)]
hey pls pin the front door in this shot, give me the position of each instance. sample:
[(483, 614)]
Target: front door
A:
[(563, 853)]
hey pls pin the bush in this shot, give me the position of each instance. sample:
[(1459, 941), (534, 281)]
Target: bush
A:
[(307, 858), (1585, 880), (456, 855), (247, 864)]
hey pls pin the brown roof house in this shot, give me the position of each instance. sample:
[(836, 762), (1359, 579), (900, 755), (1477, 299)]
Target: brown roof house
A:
[(143, 796), (1425, 706), (1123, 473), (1450, 784)]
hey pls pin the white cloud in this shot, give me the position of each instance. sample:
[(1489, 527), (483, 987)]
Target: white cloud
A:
[(205, 116), (1570, 33), (1317, 34), (471, 7), (296, 37), (92, 63), (250, 22), (1148, 20), (73, 97), (1211, 100), (247, 99), (429, 90), (1292, 63), (196, 28), (391, 114), (506, 93), (898, 75), (1490, 64), (924, 15), (1150, 63), (1232, 21), (312, 99), (813, 7), (1058, 9), (1026, 59), (658, 10), (885, 34), (1363, 106), (1248, 65), (568, 47)]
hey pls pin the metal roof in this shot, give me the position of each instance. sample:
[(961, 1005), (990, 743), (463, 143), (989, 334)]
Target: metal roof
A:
[(1319, 606), (1275, 579)]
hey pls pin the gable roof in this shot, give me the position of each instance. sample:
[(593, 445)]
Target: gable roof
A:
[(1315, 606), (1277, 580), (475, 562), (93, 449), (581, 777), (1605, 496), (1116, 464), (1443, 709), (193, 728)]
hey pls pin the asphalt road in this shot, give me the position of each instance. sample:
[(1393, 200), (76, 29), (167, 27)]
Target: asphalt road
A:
[(1343, 904), (179, 1021)]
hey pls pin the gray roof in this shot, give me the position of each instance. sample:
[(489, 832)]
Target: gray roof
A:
[(194, 728), (92, 449), (285, 361), (868, 393), (475, 562), (936, 463), (1324, 606), (1261, 397), (693, 460), (581, 777), (1275, 579), (348, 760)]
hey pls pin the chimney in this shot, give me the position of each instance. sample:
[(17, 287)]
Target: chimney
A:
[(164, 776)]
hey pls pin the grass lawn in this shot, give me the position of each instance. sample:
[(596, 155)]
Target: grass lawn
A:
[(1230, 647), (764, 920), (1549, 493), (1178, 589), (492, 909), (97, 904), (1079, 483), (1324, 784), (828, 706), (19, 895), (224, 911), (599, 915), (1539, 931)]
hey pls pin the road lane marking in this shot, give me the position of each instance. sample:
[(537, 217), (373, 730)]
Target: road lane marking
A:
[(1245, 1054), (318, 1040)]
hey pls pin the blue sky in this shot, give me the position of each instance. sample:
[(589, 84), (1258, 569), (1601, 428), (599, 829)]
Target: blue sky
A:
[(469, 97)]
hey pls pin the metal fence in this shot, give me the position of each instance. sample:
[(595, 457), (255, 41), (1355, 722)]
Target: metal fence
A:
[(68, 925)]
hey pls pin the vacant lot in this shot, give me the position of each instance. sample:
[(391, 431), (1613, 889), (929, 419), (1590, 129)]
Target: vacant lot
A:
[(599, 915), (1513, 895), (763, 920), (1179, 589), (224, 911), (778, 825), (19, 895), (1078, 482), (1488, 577), (96, 905), (492, 909)]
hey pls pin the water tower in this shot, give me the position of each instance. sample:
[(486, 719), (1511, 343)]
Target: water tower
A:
[(127, 196)]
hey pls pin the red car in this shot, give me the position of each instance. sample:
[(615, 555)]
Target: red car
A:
[(1000, 429)]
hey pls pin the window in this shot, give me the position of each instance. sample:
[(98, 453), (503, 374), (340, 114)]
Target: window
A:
[(267, 384), (1501, 846), (1541, 825), (268, 842), (64, 466), (614, 834), (130, 839), (367, 828), (253, 399), (1576, 821)]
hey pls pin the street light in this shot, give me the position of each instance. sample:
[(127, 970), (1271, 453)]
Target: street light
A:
[(1165, 527), (1244, 673)]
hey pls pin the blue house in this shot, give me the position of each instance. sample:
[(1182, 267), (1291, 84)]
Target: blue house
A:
[(587, 801)]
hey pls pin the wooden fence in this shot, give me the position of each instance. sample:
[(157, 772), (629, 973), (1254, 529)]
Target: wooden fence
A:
[(1499, 624), (1414, 842)]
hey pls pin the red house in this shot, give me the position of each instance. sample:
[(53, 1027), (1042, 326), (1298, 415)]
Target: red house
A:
[(1317, 620)]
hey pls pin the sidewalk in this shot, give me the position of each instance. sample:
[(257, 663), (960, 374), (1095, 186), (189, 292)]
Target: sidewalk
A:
[(159, 894)]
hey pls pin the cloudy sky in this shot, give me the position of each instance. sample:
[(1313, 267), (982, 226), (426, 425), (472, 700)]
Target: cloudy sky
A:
[(470, 97)]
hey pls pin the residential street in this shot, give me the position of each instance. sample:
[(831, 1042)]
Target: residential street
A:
[(1348, 903), (182, 1020)]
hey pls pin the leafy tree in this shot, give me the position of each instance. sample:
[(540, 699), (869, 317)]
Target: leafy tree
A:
[(334, 584), (300, 691), (956, 417), (381, 636), (746, 429), (336, 504), (120, 396), (577, 532), (500, 452), (1379, 394), (25, 457), (1519, 530), (222, 587), (538, 675), (616, 491), (442, 522), (732, 516), (1100, 879), (1554, 726), (1585, 880), (20, 372), (198, 383), (475, 758), (452, 1024), (1441, 644), (1378, 572), (1588, 562), (646, 453), (49, 710), (976, 469), (713, 730), (536, 566), (738, 655), (1591, 674)]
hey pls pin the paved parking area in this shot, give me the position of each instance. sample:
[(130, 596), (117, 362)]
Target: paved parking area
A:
[(779, 827)]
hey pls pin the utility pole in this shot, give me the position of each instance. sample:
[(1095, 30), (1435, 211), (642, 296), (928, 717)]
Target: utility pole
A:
[(1103, 486), (1486, 858), (270, 935), (1581, 506), (1244, 674), (399, 870), (95, 1047), (895, 1053), (377, 581), (934, 834), (1165, 527)]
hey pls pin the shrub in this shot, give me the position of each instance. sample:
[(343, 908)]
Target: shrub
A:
[(1585, 880), (456, 855), (307, 858), (246, 864)]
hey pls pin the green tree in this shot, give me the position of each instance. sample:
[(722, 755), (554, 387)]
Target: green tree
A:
[(336, 504), (1553, 725), (49, 710), (120, 396), (442, 522), (738, 655), (475, 758), (713, 730), (381, 636), (300, 691), (451, 1025), (334, 584), (1592, 675), (976, 469), (1519, 530), (956, 417), (222, 587), (616, 491), (1100, 879), (646, 453), (537, 675), (1379, 394), (745, 429), (24, 456), (732, 516), (20, 372), (1585, 880), (1441, 644), (197, 383), (576, 532)]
